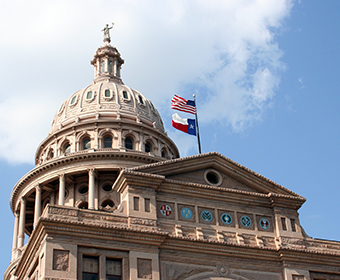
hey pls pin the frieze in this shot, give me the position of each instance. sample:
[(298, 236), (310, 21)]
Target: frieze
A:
[(145, 222), (63, 211), (114, 219)]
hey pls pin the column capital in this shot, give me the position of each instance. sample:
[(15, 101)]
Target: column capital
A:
[(92, 171), (22, 200), (61, 176)]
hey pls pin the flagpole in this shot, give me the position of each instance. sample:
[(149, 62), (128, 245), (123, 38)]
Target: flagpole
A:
[(198, 133)]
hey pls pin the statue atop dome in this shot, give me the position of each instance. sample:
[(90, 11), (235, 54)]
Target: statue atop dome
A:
[(107, 32)]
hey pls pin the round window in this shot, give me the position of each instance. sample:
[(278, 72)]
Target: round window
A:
[(107, 187), (212, 177), (83, 190)]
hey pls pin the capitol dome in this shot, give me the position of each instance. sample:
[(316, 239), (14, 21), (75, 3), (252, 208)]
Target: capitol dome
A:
[(107, 114)]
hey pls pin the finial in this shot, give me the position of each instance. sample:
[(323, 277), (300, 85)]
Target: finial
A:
[(107, 32)]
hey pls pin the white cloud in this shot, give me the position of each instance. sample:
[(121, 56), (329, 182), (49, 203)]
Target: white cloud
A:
[(224, 51)]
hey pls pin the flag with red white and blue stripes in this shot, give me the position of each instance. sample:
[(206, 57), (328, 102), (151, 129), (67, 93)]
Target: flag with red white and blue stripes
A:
[(183, 105)]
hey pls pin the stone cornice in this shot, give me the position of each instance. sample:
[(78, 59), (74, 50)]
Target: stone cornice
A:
[(215, 159), (128, 177), (219, 248), (307, 256)]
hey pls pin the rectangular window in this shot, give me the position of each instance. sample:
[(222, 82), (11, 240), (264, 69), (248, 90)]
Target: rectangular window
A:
[(292, 222), (89, 95), (90, 268), (147, 205), (136, 203), (113, 269), (283, 222), (144, 268), (298, 277)]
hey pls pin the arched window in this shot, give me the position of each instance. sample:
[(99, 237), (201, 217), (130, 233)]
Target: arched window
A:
[(125, 95), (140, 100), (46, 201), (107, 205), (128, 143), (67, 148), (83, 205), (89, 95), (164, 153), (50, 154), (147, 147), (110, 67), (86, 143), (107, 142), (102, 67)]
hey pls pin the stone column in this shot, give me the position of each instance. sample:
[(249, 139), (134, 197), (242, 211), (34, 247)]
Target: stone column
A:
[(91, 188), (106, 64), (120, 140), (61, 189), (98, 67), (115, 67), (52, 201), (37, 206), (21, 234), (15, 234)]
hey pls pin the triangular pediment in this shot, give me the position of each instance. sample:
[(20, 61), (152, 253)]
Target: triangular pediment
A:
[(230, 175)]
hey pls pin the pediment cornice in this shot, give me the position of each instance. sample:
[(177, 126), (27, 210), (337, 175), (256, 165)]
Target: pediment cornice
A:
[(220, 163)]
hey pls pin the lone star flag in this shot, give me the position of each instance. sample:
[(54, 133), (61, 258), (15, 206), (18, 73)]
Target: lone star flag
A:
[(185, 125), (181, 104)]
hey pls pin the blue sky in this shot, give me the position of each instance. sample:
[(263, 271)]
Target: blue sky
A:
[(265, 74)]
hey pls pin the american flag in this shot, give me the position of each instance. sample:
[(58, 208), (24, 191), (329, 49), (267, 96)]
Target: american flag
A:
[(181, 104)]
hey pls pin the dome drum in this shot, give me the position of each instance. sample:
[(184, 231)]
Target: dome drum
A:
[(105, 136)]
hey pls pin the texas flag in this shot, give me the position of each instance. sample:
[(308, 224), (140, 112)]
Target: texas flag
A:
[(185, 125)]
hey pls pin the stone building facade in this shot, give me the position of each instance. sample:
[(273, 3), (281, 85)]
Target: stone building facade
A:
[(110, 198)]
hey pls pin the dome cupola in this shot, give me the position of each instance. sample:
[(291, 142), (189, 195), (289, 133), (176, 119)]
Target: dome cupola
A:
[(107, 61)]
